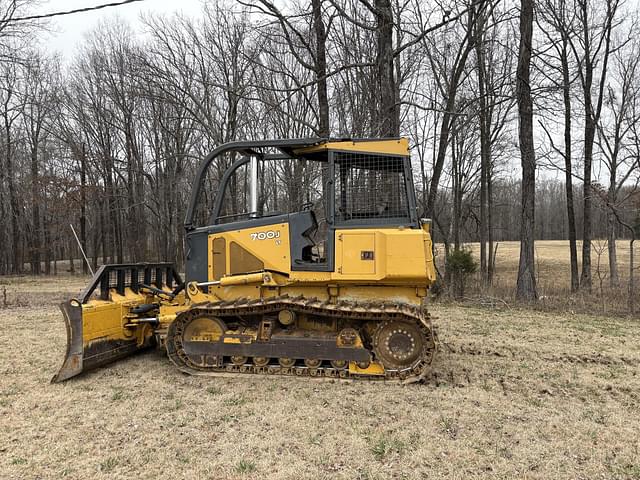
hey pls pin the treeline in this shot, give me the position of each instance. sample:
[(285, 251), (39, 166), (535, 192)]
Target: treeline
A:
[(551, 214), (108, 141)]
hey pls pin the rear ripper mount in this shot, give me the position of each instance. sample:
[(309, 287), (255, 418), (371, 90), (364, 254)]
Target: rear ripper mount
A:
[(122, 280)]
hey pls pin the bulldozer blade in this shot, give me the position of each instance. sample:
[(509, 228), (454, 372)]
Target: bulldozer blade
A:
[(97, 326), (84, 354), (72, 364)]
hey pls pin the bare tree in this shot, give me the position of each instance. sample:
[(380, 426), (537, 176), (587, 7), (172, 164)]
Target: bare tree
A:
[(449, 87), (591, 48), (38, 109), (526, 283), (495, 100), (614, 131), (560, 17), (11, 108), (16, 36)]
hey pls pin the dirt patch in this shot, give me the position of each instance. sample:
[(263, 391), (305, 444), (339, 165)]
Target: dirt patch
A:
[(513, 393)]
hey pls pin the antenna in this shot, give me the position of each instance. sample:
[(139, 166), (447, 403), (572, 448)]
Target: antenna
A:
[(81, 249)]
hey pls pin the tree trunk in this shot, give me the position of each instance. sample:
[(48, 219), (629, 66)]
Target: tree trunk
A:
[(104, 230), (72, 266), (321, 69), (83, 206), (526, 285), (492, 260), (130, 225), (614, 279), (631, 279), (485, 145), (585, 278), (96, 238), (389, 119), (457, 196), (36, 243), (611, 219), (47, 245), (566, 86), (16, 262), (589, 136)]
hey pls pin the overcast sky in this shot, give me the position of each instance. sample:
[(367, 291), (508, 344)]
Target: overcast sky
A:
[(67, 31)]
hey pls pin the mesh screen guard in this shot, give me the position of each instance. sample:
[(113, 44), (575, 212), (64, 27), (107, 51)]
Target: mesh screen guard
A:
[(369, 187)]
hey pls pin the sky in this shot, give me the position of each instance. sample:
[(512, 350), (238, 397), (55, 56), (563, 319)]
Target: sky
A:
[(67, 31)]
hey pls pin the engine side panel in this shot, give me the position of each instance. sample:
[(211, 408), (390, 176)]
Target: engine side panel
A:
[(248, 249), (395, 255)]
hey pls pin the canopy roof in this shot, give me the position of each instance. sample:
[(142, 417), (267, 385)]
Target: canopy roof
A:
[(391, 146)]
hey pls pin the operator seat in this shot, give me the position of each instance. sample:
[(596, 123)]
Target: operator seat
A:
[(302, 227)]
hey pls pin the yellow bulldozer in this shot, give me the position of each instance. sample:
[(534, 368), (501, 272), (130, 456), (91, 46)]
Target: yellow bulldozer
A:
[(272, 292)]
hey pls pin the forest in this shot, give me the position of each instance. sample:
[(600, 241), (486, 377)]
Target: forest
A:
[(523, 120)]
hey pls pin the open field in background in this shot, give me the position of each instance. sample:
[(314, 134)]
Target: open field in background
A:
[(553, 272), (514, 394)]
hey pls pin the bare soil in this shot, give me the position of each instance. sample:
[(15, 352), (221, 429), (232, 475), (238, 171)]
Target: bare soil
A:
[(514, 394)]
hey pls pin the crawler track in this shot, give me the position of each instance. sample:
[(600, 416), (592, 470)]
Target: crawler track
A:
[(372, 316)]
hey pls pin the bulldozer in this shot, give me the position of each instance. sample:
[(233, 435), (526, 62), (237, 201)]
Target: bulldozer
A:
[(333, 285)]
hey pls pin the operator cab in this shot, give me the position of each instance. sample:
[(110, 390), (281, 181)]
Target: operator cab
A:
[(313, 185)]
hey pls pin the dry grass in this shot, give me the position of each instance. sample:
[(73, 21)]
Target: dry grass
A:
[(552, 260), (554, 278), (515, 393)]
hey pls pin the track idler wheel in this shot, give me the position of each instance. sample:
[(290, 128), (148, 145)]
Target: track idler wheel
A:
[(194, 328), (399, 345)]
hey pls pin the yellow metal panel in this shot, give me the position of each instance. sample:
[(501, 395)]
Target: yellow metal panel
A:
[(242, 261), (399, 146), (401, 255), (374, 369), (406, 254), (428, 252), (396, 290), (358, 253), (269, 244), (311, 277), (102, 321), (219, 258)]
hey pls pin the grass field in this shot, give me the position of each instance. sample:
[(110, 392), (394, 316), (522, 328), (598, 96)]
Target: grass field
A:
[(554, 279), (514, 394), (553, 264)]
